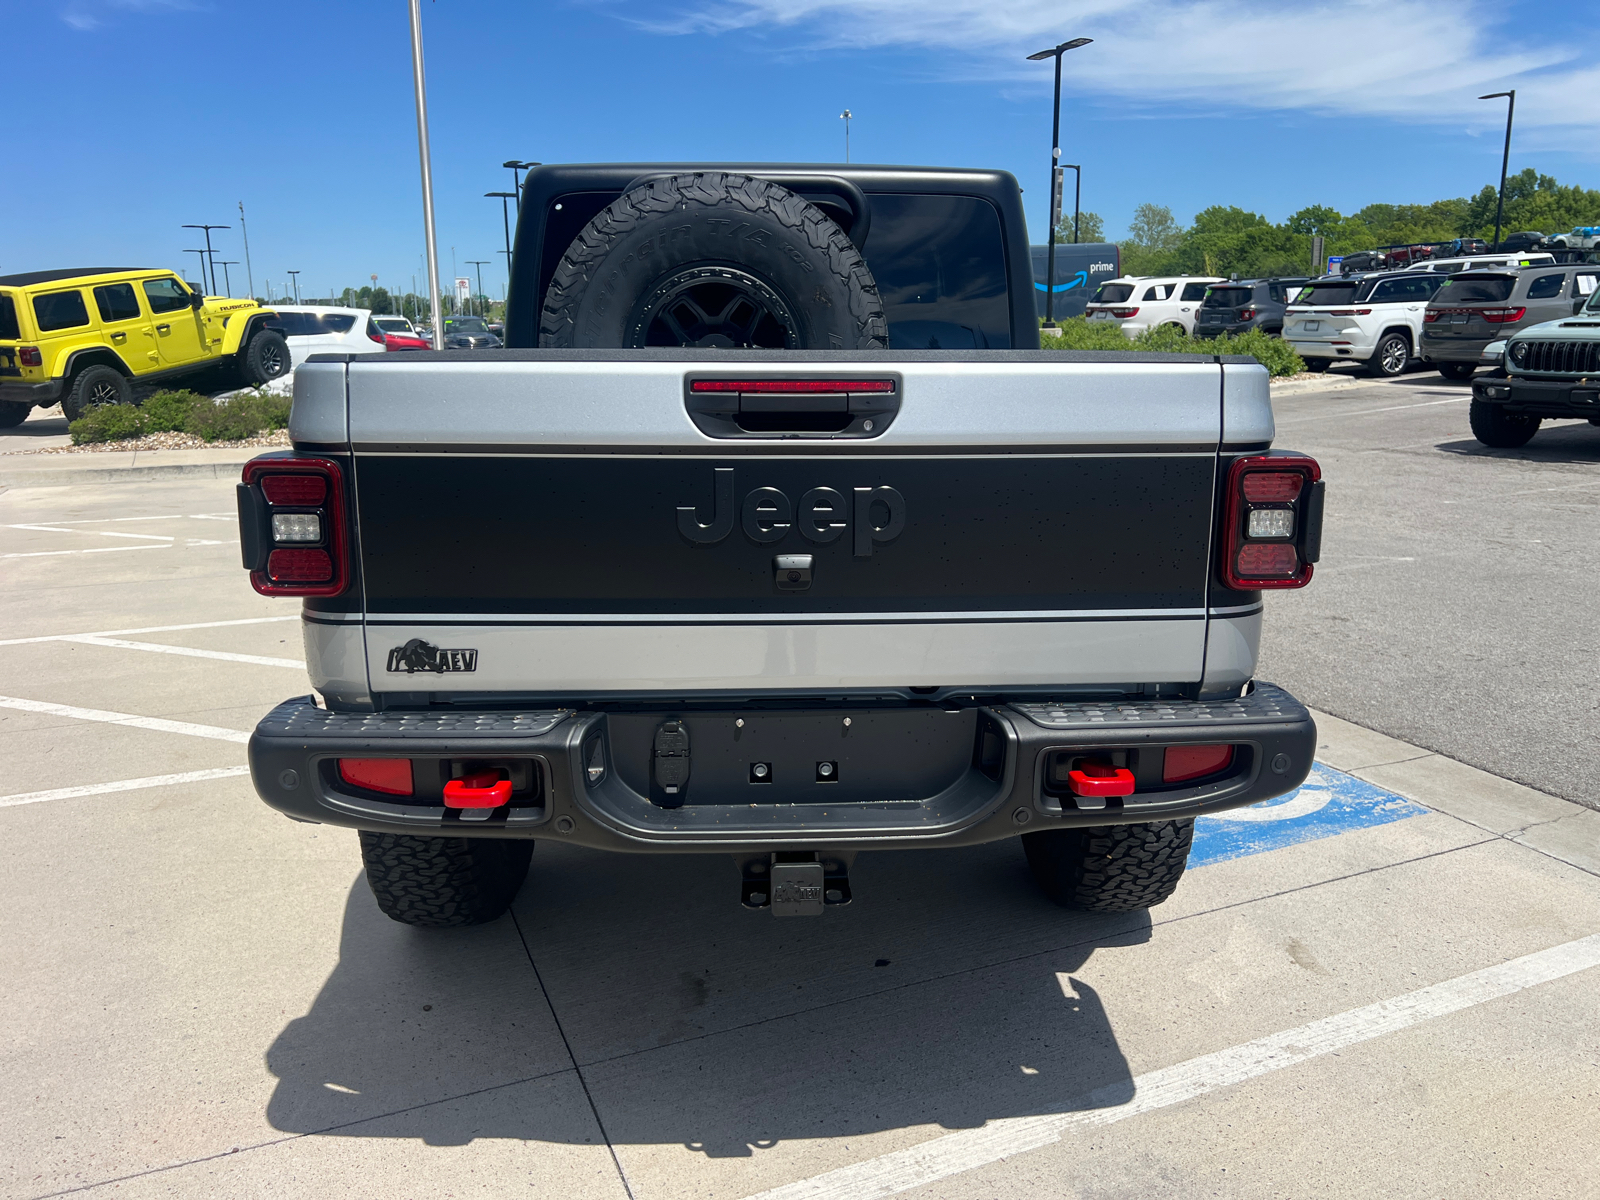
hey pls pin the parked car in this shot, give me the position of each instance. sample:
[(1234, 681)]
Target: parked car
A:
[(318, 329), (1475, 308), (1363, 261), (398, 334), (784, 603), (1460, 248), (1239, 306), (1582, 237), (1373, 319), (1550, 370), (469, 333), (1139, 303), (1449, 266), (85, 337), (1514, 242)]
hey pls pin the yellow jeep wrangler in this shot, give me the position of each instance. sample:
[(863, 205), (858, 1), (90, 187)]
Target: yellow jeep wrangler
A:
[(88, 336)]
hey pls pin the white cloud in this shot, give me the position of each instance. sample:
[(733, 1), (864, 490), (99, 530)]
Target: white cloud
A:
[(1385, 58)]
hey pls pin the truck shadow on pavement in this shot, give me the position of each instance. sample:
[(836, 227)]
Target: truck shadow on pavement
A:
[(944, 995), (1566, 442)]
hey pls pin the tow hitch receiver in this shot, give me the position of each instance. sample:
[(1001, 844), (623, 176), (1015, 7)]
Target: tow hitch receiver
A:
[(795, 883)]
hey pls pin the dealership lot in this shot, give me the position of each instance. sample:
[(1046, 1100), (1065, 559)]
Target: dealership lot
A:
[(204, 1000)]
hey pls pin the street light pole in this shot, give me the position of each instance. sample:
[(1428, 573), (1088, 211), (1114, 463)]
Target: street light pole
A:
[(505, 217), (1055, 157), (227, 279), (294, 278), (209, 253), (516, 179), (846, 117), (250, 275), (480, 264), (419, 84), (202, 255), (1505, 159), (1077, 197)]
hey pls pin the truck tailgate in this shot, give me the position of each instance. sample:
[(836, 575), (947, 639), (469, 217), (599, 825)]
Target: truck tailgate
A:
[(556, 524)]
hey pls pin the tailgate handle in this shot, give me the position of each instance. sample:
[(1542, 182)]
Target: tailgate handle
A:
[(828, 406)]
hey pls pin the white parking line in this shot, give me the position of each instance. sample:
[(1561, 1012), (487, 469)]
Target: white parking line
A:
[(89, 550), (59, 637), (91, 639), (122, 785), (158, 724), (955, 1153), (143, 537)]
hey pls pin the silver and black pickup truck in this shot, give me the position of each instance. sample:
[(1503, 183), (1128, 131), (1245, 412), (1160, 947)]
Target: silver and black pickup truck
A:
[(786, 544)]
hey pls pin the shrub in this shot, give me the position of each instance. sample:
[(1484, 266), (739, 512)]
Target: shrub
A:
[(239, 416), (169, 411), (107, 423), (1079, 333)]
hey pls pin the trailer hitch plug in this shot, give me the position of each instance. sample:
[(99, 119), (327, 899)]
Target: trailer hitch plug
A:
[(672, 757)]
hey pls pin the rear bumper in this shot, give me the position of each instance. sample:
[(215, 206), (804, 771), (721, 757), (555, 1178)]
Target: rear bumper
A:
[(1455, 349), (583, 794), (1541, 398), (45, 393), (1317, 348)]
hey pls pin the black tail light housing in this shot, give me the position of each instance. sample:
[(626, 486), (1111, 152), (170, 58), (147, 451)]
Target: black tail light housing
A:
[(1272, 527), (292, 528)]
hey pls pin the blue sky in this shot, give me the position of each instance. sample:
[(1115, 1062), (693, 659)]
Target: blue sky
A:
[(133, 117)]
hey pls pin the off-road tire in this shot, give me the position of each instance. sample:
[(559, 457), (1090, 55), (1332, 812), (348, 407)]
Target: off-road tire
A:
[(94, 386), (1110, 868), (13, 413), (1494, 426), (1390, 359), (266, 357), (1317, 365), (442, 882), (1457, 370), (616, 279)]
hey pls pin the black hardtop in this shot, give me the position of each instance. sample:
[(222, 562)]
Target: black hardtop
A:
[(839, 189), (28, 278)]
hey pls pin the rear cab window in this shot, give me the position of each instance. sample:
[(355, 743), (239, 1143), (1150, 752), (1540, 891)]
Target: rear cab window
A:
[(1321, 295), (1227, 297), (60, 310), (336, 322), (1475, 289), (1112, 293), (940, 264), (1546, 287), (8, 317)]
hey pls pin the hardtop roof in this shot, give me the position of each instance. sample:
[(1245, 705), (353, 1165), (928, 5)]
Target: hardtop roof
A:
[(32, 277)]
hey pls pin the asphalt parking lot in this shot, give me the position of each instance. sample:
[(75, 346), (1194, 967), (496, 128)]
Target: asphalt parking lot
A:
[(1385, 985)]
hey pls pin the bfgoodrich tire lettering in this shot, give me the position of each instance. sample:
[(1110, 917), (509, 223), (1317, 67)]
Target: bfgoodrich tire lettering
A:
[(443, 883), (1110, 868), (714, 260), (94, 386), (1494, 426)]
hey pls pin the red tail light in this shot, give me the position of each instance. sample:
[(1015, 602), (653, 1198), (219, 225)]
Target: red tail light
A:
[(1122, 314), (29, 356), (392, 776), (1247, 314), (291, 526), (1183, 763), (1349, 312), (1272, 532), (1500, 316), (1429, 317)]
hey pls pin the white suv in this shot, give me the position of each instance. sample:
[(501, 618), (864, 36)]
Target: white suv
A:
[(1484, 262), (1372, 319), (1139, 303), (324, 329)]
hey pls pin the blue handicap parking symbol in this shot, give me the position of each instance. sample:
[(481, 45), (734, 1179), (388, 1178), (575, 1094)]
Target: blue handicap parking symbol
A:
[(1328, 803)]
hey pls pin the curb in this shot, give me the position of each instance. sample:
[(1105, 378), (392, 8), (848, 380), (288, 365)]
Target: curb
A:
[(1337, 383), (61, 477)]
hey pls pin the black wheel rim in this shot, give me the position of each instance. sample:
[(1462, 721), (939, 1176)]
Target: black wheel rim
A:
[(271, 361), (715, 308), (104, 393)]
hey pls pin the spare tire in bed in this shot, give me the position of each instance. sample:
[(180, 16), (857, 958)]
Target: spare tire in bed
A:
[(715, 260)]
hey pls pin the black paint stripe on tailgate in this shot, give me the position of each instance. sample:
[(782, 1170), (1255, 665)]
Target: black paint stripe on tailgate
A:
[(450, 535)]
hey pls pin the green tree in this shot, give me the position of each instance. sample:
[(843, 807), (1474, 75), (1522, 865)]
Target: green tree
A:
[(1091, 228)]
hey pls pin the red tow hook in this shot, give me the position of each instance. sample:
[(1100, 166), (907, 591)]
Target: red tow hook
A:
[(483, 790), (1100, 779)]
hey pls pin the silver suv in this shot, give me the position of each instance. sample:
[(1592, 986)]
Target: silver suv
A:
[(1475, 308)]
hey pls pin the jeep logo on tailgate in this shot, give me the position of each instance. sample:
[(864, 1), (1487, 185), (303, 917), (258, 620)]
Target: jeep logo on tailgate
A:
[(874, 515), (418, 655)]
